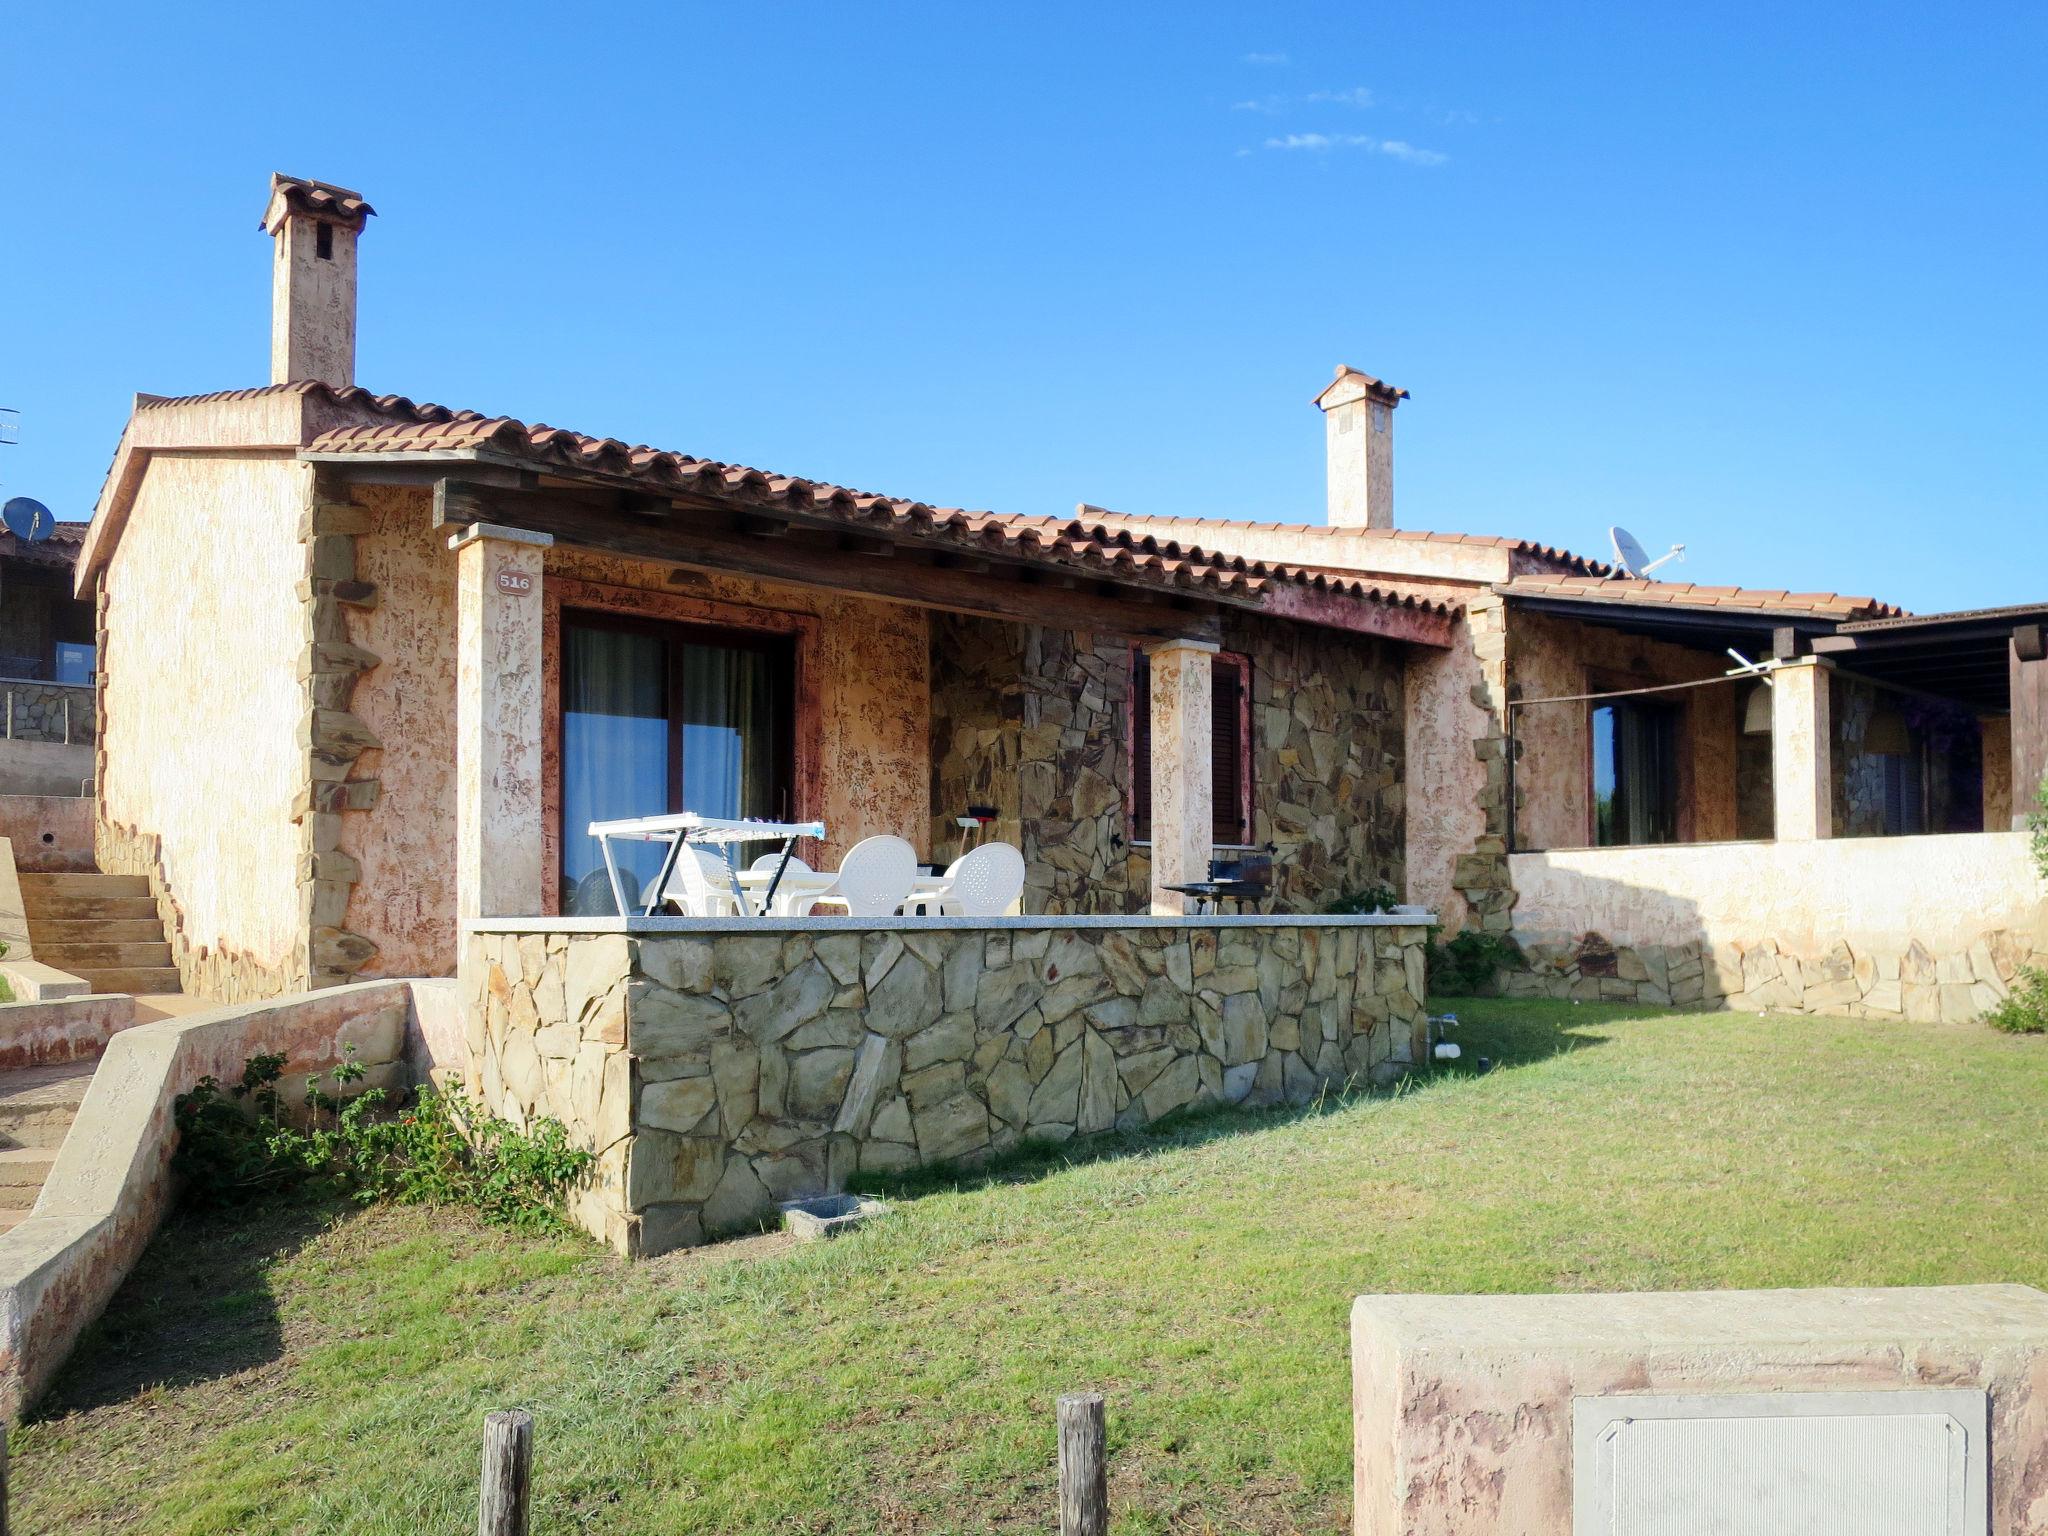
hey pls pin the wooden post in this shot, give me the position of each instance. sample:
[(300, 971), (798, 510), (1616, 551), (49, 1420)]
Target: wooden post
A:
[(1084, 1466), (508, 1465)]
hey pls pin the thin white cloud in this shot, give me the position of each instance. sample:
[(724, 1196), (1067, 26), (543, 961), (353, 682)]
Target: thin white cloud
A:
[(1400, 149), (1265, 58), (1357, 96), (1260, 104), (1322, 143)]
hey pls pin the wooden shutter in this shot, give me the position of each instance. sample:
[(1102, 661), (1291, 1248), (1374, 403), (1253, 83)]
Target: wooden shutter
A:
[(1141, 747), (1226, 752)]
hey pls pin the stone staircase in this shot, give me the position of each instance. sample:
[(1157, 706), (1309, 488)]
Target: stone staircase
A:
[(37, 1106), (103, 928)]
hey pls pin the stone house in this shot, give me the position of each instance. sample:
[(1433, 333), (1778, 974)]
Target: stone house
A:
[(459, 638), (690, 633)]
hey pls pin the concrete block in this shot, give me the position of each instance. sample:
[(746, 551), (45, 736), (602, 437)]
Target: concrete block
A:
[(1463, 1406)]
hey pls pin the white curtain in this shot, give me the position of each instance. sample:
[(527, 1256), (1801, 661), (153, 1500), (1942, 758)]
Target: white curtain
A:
[(614, 756)]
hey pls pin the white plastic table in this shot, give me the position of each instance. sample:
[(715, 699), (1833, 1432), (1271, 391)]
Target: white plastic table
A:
[(683, 827)]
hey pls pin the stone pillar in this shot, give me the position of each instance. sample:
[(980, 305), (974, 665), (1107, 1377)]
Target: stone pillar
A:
[(1995, 734), (1802, 751), (1183, 787), (2028, 670), (498, 721)]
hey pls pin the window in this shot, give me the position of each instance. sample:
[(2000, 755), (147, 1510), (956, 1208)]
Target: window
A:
[(660, 718), (323, 241), (1229, 749), (1635, 773)]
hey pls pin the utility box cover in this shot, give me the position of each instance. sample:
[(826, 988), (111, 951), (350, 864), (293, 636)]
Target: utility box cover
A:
[(1883, 1463)]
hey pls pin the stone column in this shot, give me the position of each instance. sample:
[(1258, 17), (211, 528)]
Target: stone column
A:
[(1183, 788), (1802, 751), (2027, 669), (498, 721)]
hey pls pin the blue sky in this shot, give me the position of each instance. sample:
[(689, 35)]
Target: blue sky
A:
[(1764, 279)]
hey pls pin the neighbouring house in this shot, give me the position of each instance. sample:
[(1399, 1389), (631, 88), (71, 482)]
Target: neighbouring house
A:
[(47, 664), (1665, 792)]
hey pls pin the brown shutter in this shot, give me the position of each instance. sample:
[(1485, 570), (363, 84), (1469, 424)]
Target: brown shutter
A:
[(1141, 747), (1226, 753)]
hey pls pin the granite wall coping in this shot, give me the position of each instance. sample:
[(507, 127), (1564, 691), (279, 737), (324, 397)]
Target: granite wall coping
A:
[(657, 927)]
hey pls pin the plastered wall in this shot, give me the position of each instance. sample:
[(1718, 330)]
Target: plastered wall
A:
[(202, 706)]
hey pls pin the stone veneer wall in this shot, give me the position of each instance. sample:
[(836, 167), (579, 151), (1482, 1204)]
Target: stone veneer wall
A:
[(1036, 722), (717, 1072)]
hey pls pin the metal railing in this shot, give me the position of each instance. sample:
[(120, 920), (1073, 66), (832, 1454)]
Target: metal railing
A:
[(34, 710)]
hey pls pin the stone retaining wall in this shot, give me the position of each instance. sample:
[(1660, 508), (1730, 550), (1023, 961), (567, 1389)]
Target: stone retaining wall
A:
[(1929, 929), (717, 1071)]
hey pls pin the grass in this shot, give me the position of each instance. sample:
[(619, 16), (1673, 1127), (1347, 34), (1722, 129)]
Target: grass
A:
[(311, 1371)]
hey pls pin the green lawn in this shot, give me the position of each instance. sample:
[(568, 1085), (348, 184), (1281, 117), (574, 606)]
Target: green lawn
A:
[(308, 1374)]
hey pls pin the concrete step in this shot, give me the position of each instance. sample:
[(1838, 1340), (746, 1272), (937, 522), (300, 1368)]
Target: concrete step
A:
[(24, 1169), (38, 1104), (74, 957), (55, 931), (95, 884), (43, 908), (129, 978)]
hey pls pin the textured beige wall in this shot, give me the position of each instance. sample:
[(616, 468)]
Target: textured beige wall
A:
[(1446, 779), (405, 900), (203, 704)]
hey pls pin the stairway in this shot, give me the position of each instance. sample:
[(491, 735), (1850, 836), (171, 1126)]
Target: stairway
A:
[(103, 928), (37, 1106)]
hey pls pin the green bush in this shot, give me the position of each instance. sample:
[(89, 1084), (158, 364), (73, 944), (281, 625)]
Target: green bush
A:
[(1469, 962), (2025, 1009), (235, 1145), (1374, 898)]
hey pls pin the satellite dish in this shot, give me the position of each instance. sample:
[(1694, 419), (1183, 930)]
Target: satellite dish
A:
[(28, 519), (1632, 560)]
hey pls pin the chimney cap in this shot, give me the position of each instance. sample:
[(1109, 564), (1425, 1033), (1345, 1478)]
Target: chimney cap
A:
[(315, 199), (1350, 384)]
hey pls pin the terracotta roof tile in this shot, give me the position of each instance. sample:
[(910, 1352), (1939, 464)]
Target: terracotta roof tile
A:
[(319, 198), (395, 424), (1678, 594), (1573, 564)]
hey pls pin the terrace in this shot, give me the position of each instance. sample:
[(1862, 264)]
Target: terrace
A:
[(755, 648)]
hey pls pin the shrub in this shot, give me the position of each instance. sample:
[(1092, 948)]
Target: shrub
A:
[(235, 1145), (1469, 961), (1374, 898), (2025, 1009)]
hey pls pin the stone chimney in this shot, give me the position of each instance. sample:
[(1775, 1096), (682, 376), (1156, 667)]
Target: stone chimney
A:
[(313, 280), (1358, 427)]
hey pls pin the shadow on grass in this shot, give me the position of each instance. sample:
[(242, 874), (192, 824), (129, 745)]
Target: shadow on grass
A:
[(198, 1307), (1509, 1035)]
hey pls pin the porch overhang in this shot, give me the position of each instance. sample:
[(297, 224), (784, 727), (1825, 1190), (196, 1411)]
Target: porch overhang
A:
[(1966, 656), (759, 534), (1765, 632)]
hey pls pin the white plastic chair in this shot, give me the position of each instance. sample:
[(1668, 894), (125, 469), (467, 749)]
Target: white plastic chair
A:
[(788, 902), (985, 882), (874, 878), (701, 884)]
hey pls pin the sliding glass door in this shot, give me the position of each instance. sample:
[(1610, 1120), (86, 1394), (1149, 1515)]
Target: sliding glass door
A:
[(659, 718)]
